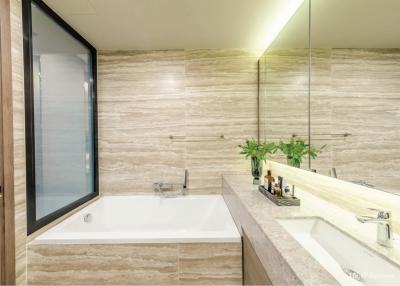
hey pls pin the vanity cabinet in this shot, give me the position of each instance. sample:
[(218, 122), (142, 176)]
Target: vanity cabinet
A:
[(253, 271)]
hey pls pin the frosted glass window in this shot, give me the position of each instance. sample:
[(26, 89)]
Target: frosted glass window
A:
[(63, 159)]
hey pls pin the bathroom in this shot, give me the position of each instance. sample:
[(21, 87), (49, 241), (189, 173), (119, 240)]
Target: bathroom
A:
[(199, 142)]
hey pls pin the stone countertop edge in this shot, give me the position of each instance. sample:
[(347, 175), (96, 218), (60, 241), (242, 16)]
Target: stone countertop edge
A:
[(284, 259)]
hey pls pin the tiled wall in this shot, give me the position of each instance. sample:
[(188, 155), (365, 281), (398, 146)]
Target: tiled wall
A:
[(136, 264), (19, 140), (349, 196), (357, 91), (354, 91), (284, 96), (163, 111)]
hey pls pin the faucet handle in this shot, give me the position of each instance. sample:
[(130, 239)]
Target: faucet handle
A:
[(383, 214), (157, 186)]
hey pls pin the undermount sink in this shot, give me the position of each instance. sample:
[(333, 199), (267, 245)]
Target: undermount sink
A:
[(344, 258)]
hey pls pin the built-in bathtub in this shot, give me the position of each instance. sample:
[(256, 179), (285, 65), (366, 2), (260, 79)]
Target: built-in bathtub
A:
[(140, 240)]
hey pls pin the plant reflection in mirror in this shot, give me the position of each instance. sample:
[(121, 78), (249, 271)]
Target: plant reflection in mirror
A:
[(296, 150)]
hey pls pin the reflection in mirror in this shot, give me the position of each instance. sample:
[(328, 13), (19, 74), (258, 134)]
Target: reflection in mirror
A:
[(283, 87), (355, 90)]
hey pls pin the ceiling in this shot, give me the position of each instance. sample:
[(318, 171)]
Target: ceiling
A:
[(344, 24), (176, 24), (355, 23)]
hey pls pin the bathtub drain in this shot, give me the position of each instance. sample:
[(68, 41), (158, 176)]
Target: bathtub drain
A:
[(87, 218), (352, 274)]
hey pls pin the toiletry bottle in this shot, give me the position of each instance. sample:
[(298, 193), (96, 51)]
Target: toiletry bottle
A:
[(270, 180), (285, 188), (280, 182), (286, 191), (265, 182), (277, 190)]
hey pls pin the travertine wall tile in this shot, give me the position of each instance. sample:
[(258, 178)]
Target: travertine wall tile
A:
[(284, 96), (141, 93), (133, 164), (107, 264), (355, 198), (221, 93), (354, 92), (135, 264), (210, 264), (19, 139), (163, 111), (207, 160)]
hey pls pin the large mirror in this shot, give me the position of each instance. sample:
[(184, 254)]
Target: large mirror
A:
[(284, 85), (354, 91)]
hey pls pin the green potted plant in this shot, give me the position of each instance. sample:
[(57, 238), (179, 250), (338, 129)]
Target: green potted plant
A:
[(258, 154), (296, 149)]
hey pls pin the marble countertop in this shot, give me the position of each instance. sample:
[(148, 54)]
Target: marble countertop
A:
[(266, 213)]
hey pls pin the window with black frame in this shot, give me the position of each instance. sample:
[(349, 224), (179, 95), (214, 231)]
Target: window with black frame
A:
[(60, 106)]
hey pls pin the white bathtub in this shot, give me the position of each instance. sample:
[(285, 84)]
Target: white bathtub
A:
[(147, 219)]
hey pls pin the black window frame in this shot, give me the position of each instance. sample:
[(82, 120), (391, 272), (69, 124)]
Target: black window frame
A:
[(32, 223)]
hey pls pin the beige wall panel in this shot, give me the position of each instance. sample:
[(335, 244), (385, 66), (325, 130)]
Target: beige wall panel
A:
[(135, 264), (210, 264), (103, 264), (163, 111), (354, 92), (19, 139), (352, 197)]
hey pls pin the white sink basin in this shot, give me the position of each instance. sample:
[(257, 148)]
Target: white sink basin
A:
[(339, 254)]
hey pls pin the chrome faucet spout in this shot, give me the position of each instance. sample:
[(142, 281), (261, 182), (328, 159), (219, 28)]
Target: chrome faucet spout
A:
[(384, 226), (368, 219), (185, 184)]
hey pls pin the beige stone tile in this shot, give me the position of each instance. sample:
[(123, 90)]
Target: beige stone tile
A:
[(353, 91), (141, 93), (284, 96), (109, 264), (210, 264), (132, 165), (135, 264), (352, 197), (19, 139), (208, 160), (195, 96)]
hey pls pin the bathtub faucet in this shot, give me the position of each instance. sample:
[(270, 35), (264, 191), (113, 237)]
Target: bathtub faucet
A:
[(185, 183), (171, 189)]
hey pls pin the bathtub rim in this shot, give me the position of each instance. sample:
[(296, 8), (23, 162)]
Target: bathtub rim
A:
[(231, 236)]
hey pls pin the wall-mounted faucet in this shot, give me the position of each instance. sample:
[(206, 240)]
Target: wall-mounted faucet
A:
[(383, 219), (168, 189), (186, 181)]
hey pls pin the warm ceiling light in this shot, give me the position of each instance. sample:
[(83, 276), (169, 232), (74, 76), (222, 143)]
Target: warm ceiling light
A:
[(283, 17)]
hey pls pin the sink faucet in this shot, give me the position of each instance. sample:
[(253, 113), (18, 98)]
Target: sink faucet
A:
[(383, 219)]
